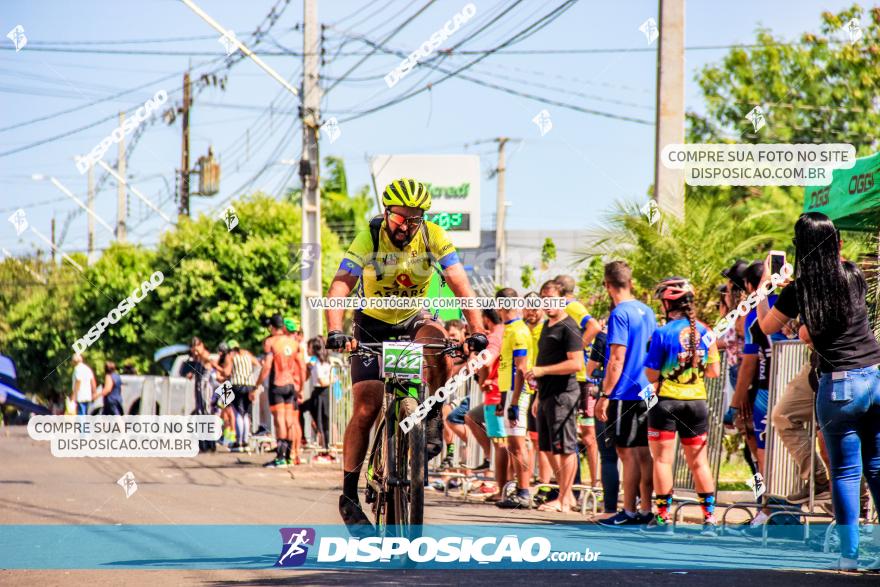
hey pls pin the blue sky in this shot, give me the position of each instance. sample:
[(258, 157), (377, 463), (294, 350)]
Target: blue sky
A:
[(566, 179)]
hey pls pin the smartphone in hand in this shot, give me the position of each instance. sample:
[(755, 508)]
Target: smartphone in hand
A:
[(777, 262)]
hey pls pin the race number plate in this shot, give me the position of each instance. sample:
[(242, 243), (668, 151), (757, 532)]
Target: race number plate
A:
[(402, 360)]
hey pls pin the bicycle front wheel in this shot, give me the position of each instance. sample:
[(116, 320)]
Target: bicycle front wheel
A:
[(409, 495)]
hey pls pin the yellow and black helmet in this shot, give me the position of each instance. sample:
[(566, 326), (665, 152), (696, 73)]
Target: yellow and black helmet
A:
[(407, 192)]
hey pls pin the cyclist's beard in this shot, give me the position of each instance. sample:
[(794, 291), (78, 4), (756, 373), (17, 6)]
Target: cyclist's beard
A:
[(400, 237)]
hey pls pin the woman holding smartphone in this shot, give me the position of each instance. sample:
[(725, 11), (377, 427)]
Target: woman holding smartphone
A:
[(829, 295)]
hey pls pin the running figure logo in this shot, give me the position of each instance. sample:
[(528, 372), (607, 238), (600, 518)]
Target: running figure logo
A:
[(757, 484), (228, 41), (855, 31), (649, 396), (543, 121), (331, 129), (18, 38), (294, 548), (224, 394), (756, 117), (303, 258), (650, 30), (19, 221), (651, 211), (128, 484), (230, 218)]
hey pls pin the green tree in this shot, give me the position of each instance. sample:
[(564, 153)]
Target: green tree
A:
[(548, 253), (712, 237), (37, 326), (219, 284), (527, 276), (346, 214)]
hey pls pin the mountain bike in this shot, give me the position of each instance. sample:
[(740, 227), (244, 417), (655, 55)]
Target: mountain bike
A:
[(396, 460)]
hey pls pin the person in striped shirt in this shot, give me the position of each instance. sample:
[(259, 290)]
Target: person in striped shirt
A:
[(238, 368)]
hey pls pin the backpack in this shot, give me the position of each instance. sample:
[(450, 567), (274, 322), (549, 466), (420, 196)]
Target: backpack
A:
[(376, 226)]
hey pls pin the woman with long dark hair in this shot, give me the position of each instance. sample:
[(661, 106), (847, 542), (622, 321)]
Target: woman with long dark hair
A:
[(320, 376), (112, 391), (829, 295), (678, 361)]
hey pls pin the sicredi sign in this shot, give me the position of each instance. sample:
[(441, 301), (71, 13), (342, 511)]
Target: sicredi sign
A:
[(454, 183)]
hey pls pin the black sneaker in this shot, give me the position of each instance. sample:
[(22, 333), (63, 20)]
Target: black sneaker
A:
[(515, 501), (658, 525), (484, 467), (354, 518), (446, 463), (622, 518)]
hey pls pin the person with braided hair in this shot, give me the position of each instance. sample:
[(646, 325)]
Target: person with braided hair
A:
[(678, 361)]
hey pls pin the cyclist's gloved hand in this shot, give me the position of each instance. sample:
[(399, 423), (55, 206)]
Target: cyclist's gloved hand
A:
[(513, 413), (477, 342), (336, 340)]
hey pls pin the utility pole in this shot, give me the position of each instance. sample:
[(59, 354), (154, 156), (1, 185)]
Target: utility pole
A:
[(669, 183), (121, 211), (90, 202), (310, 271), (500, 214), (53, 240), (184, 163)]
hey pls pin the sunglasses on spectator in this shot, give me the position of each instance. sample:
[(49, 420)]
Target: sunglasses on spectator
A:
[(411, 221)]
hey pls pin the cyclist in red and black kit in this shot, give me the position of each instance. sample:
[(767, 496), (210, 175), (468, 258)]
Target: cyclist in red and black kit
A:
[(284, 368)]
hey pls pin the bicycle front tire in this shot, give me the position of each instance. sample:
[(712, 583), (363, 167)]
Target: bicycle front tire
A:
[(409, 499)]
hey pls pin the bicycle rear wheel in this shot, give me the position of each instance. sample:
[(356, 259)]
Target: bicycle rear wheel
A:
[(409, 496)]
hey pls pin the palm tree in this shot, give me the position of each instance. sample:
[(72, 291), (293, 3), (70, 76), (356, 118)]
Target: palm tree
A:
[(715, 233)]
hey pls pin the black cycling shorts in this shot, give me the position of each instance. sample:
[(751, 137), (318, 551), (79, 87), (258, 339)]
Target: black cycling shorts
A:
[(688, 417), (282, 394), (369, 329), (531, 422), (557, 423), (628, 421), (242, 401)]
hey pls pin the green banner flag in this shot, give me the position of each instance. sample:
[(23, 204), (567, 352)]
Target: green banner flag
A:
[(852, 200)]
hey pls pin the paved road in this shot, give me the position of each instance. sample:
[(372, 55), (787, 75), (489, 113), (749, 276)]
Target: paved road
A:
[(36, 488)]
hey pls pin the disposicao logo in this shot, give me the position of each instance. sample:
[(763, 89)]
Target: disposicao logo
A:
[(294, 548)]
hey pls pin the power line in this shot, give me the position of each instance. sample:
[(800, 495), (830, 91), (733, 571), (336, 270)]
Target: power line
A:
[(530, 30), (399, 28), (590, 51)]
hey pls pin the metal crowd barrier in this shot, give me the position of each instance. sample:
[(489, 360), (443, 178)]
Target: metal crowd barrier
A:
[(782, 478)]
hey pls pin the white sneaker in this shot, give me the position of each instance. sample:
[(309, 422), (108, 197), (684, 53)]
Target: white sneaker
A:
[(845, 564), (758, 519)]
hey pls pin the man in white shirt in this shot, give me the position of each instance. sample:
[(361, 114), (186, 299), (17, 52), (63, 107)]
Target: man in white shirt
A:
[(84, 385)]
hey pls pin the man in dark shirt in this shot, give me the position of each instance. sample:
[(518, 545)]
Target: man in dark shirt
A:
[(560, 357)]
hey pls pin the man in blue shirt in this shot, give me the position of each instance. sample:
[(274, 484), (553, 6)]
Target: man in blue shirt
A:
[(622, 404)]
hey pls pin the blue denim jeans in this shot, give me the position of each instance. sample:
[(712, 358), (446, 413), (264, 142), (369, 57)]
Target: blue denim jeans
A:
[(82, 408), (848, 411)]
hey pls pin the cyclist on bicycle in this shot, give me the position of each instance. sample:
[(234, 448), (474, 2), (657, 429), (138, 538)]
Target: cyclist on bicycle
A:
[(395, 257)]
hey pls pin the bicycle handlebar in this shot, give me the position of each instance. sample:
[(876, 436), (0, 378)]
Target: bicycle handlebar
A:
[(375, 348)]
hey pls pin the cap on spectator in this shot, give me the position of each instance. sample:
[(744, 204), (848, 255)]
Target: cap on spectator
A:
[(290, 324), (233, 344), (736, 273)]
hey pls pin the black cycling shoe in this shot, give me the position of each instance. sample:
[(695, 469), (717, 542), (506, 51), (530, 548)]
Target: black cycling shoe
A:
[(354, 518), (433, 434)]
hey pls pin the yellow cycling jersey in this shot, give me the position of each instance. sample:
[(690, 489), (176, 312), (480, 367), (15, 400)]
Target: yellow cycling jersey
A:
[(516, 342), (536, 334), (578, 312), (405, 272)]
